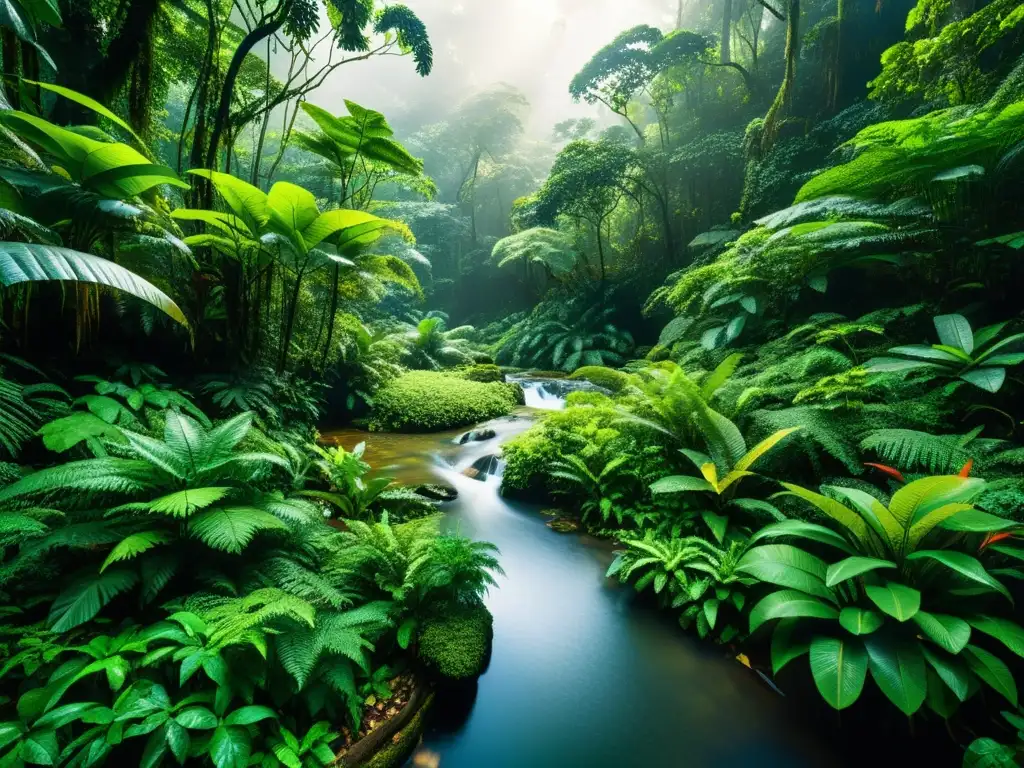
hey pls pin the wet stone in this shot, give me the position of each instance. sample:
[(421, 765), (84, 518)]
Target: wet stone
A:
[(438, 492)]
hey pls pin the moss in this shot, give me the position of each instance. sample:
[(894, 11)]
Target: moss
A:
[(425, 401), (397, 750), (483, 373), (456, 646), (599, 376)]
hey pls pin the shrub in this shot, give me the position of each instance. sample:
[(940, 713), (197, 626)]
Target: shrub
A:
[(425, 401), (599, 376), (456, 646), (483, 373)]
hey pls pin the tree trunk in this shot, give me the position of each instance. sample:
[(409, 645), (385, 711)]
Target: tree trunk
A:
[(726, 31), (773, 120), (837, 61), (289, 327), (257, 35), (330, 322), (129, 56)]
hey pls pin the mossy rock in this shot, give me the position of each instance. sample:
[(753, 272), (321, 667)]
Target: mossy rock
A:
[(456, 645), (483, 373), (599, 376), (425, 401), (401, 746), (563, 525)]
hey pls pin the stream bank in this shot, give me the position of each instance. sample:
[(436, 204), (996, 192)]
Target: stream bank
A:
[(581, 674)]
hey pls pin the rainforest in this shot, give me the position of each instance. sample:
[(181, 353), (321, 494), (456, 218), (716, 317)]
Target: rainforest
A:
[(547, 383)]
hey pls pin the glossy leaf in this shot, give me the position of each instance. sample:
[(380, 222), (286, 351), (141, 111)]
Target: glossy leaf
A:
[(948, 632), (852, 567), (898, 669), (859, 621), (896, 600), (839, 668)]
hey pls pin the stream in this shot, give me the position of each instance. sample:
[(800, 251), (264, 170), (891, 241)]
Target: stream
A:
[(582, 674)]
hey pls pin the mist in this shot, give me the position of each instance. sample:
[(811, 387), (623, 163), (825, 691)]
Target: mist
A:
[(535, 45)]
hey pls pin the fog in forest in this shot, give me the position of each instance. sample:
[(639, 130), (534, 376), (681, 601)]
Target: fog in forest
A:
[(534, 45)]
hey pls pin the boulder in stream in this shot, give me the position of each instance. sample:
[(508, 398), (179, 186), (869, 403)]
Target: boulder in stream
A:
[(475, 436), (437, 492), (482, 467)]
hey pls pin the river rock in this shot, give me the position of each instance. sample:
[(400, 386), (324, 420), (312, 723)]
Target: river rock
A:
[(476, 436), (482, 467), (438, 492), (563, 525)]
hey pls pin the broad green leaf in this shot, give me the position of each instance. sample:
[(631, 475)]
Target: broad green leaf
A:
[(832, 509), (88, 103), (61, 435), (27, 262), (948, 632), (230, 747), (336, 222), (292, 209), (899, 365), (718, 524), (898, 669), (988, 378), (989, 753), (992, 671), (789, 603), (762, 448), (1005, 631), (927, 353), (965, 565), (934, 519), (784, 650), (852, 567), (912, 503), (896, 600), (196, 718), (787, 566), (839, 668), (681, 484), (249, 715), (859, 621), (955, 331), (247, 202), (804, 530), (951, 671), (975, 521)]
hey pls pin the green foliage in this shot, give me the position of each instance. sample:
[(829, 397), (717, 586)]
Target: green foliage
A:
[(556, 337), (456, 646), (550, 248), (424, 401), (690, 573), (961, 352), (606, 378), (907, 561)]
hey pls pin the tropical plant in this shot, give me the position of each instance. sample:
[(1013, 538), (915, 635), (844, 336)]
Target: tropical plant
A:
[(429, 346), (680, 411), (287, 750), (609, 492), (557, 338), (905, 601), (979, 358), (360, 147), (367, 360), (691, 573)]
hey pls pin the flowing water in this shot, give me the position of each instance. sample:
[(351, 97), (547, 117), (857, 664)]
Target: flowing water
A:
[(581, 674)]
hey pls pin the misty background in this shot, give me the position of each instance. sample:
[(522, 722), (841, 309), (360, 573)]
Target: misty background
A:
[(535, 46)]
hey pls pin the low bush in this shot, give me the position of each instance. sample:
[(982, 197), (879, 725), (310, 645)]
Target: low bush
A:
[(425, 401), (456, 646), (483, 373), (599, 376)]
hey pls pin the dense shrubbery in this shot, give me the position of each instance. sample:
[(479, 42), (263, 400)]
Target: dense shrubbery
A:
[(456, 645), (426, 401), (606, 378)]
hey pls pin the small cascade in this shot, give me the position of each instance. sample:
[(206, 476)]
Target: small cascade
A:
[(550, 394)]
